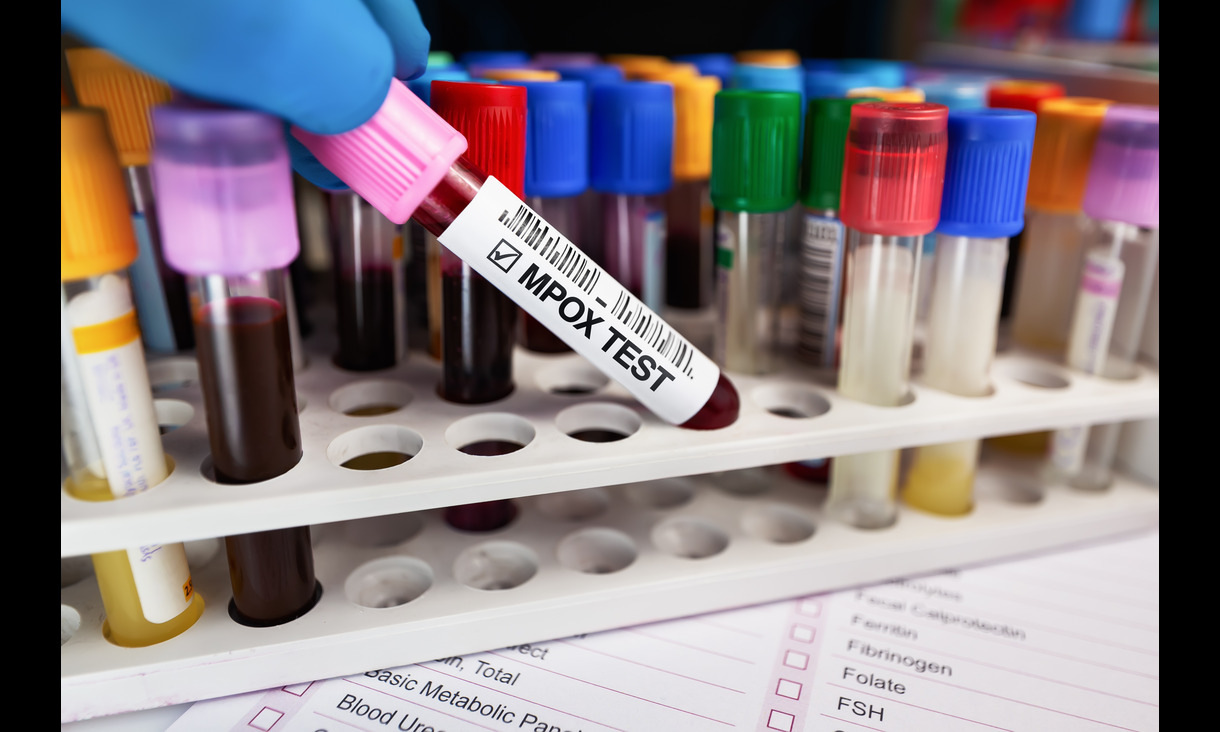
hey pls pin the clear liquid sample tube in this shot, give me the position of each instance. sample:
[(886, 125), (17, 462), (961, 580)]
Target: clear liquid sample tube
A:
[(368, 284), (893, 177), (1123, 196), (556, 174), (228, 224), (755, 149), (1052, 245), (690, 248), (111, 437), (480, 323), (127, 94), (472, 213), (986, 174), (631, 137)]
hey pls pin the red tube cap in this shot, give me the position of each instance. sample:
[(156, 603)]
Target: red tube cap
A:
[(492, 119), (894, 168)]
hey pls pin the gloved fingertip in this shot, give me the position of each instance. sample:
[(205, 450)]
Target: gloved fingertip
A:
[(304, 163)]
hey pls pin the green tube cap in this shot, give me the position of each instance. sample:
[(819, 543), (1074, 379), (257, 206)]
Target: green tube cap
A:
[(826, 123), (755, 150)]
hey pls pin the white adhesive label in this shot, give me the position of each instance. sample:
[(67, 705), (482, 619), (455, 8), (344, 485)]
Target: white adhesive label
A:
[(1089, 345), (163, 580), (551, 279), (820, 288), (115, 379)]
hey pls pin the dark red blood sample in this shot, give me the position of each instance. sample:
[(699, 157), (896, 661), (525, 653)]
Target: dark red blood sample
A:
[(810, 473), (537, 337), (489, 515), (597, 435), (477, 337), (720, 410), (364, 311)]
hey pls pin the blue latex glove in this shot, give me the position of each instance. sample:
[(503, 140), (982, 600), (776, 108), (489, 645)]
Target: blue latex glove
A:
[(324, 65)]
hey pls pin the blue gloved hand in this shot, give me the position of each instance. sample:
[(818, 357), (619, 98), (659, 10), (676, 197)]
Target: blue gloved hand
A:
[(324, 65)]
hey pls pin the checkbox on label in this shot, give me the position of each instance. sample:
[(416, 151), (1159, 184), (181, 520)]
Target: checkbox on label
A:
[(781, 721), (297, 689), (790, 689), (810, 608), (504, 255), (802, 633), (796, 659), (266, 718)]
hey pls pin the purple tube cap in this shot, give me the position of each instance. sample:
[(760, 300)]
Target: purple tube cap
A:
[(223, 184), (396, 158), (1124, 181)]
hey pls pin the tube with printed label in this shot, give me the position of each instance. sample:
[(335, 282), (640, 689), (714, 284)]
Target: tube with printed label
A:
[(754, 180), (893, 176), (228, 223), (1123, 196), (986, 173), (408, 162), (111, 437)]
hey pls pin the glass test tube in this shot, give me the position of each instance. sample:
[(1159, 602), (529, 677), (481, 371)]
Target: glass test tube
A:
[(690, 247), (892, 183), (147, 591), (556, 174), (631, 139), (234, 247), (127, 94), (753, 186), (369, 289), (1123, 196), (456, 201)]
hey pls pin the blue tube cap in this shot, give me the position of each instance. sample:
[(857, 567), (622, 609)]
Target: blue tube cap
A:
[(956, 92), (986, 172), (422, 86), (768, 78), (556, 138), (590, 76), (820, 64), (833, 84), (494, 58), (885, 73), (719, 65), (1097, 20), (631, 137)]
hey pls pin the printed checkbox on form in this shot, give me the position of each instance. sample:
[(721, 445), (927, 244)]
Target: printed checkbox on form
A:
[(781, 721), (789, 689), (297, 689), (796, 659), (266, 718), (810, 608), (802, 633)]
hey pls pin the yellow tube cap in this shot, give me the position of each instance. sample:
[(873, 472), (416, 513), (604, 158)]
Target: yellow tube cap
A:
[(632, 64), (95, 229), (897, 94), (127, 94), (694, 104), (1063, 146), (668, 72), (519, 75), (769, 57)]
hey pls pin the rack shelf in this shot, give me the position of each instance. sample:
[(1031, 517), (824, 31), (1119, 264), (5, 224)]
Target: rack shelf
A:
[(1029, 394)]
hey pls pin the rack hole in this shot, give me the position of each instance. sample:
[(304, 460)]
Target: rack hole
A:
[(388, 582), (1042, 376), (574, 505), (495, 433), (169, 374), (744, 482), (597, 551), (572, 377), (792, 402), (689, 538), (598, 422), (663, 493), (172, 413), (776, 524), (74, 569), (495, 565), (375, 447), (69, 623), (370, 398), (375, 531)]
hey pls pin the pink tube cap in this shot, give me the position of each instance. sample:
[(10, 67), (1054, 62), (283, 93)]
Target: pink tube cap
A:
[(223, 186), (395, 159), (1125, 175)]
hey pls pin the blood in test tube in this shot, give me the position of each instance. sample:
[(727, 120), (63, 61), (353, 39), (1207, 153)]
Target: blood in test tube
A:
[(472, 213)]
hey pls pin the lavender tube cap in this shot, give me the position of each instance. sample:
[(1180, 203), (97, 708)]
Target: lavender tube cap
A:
[(1124, 181), (395, 159), (223, 184)]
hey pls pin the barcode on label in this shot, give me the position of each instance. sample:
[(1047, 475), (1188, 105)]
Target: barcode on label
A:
[(821, 265), (537, 234)]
